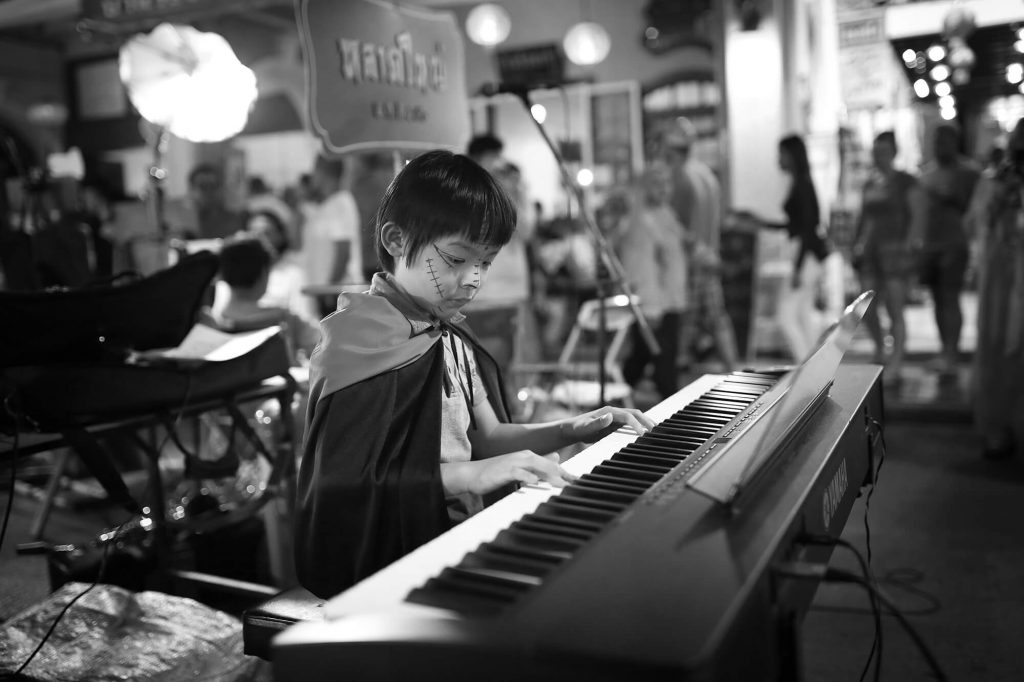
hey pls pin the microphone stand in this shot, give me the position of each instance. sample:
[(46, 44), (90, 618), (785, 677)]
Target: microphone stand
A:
[(609, 269)]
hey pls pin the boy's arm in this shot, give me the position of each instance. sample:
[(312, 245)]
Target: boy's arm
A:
[(492, 437)]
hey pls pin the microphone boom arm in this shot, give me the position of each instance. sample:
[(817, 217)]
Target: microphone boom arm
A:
[(611, 261)]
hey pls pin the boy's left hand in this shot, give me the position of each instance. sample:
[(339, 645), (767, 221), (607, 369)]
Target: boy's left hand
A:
[(595, 425)]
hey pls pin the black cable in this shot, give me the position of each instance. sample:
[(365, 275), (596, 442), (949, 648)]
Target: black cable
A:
[(113, 538), (95, 582), (875, 653), (897, 578), (874, 482), (14, 469), (819, 572)]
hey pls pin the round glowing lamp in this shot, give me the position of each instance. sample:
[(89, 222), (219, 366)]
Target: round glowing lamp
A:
[(585, 177), (539, 113), (587, 43), (488, 24), (187, 82)]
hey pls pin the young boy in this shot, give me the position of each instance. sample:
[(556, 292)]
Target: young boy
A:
[(245, 269), (407, 426)]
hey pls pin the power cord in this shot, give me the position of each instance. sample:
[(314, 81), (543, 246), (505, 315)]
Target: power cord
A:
[(819, 572), (108, 538), (14, 414), (875, 653)]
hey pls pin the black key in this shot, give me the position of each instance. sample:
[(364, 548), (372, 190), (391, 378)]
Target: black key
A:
[(591, 499), (679, 443), (553, 514), (654, 450), (442, 596), (543, 524), (619, 470), (662, 463), (583, 509), (485, 556), (604, 479), (621, 500)]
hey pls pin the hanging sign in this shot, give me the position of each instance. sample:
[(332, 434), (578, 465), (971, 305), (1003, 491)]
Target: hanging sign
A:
[(382, 75)]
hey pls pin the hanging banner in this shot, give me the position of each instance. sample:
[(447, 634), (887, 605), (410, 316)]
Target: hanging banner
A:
[(866, 58), (382, 75)]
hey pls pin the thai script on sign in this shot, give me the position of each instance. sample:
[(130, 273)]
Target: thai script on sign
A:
[(363, 61)]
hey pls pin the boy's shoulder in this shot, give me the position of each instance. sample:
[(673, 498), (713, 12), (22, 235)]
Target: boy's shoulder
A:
[(365, 337)]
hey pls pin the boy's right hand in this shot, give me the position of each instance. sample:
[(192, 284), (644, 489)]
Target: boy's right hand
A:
[(516, 467)]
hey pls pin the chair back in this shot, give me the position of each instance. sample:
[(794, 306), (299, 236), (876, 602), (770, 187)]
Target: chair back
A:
[(618, 321)]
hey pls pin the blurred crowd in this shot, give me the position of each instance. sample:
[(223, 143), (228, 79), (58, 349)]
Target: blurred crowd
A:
[(287, 252)]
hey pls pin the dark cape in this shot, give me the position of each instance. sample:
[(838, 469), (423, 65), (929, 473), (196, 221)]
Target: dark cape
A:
[(369, 487)]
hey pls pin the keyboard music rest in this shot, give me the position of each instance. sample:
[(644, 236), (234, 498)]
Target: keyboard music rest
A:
[(680, 589)]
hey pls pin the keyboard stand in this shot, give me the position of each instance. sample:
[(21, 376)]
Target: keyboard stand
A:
[(145, 432)]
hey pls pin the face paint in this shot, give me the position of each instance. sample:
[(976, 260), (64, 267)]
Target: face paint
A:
[(447, 274)]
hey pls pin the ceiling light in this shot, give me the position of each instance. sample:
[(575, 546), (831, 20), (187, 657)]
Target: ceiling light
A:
[(948, 113), (539, 113), (940, 72), (585, 177), (942, 89), (947, 102), (587, 43), (488, 24), (1014, 72), (909, 56), (936, 53), (921, 88)]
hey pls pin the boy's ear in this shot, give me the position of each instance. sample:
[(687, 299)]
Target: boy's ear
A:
[(393, 240)]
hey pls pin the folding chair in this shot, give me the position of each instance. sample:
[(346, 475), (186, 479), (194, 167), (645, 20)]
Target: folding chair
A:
[(573, 381)]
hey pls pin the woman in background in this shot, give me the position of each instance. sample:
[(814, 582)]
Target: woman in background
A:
[(881, 249), (797, 317)]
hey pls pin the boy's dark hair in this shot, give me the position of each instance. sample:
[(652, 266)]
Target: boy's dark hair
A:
[(439, 194), (484, 144), (243, 261)]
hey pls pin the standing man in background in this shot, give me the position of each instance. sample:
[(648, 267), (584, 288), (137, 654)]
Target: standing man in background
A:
[(509, 275), (331, 246), (697, 201), (939, 237)]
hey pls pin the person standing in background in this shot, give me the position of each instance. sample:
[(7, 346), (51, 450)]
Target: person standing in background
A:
[(939, 237), (372, 177), (697, 201), (881, 250), (206, 214), (331, 246), (653, 257), (997, 209), (509, 275), (796, 309)]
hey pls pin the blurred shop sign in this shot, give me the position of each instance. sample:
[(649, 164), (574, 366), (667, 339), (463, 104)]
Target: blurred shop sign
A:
[(865, 60), (535, 66), (125, 11), (382, 75)]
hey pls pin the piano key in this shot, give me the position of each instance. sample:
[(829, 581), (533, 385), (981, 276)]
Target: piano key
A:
[(628, 472), (664, 463), (615, 482), (620, 500), (558, 515), (386, 589), (491, 556), (547, 524), (584, 509), (655, 449)]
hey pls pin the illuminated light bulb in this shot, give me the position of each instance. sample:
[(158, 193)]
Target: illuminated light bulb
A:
[(585, 177), (1019, 45), (942, 89), (909, 56), (936, 53), (488, 24), (948, 113), (940, 72), (651, 33), (587, 44), (921, 88), (947, 102), (1014, 72), (539, 113)]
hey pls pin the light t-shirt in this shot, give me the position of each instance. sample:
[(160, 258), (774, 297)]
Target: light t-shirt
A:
[(335, 219), (455, 421)]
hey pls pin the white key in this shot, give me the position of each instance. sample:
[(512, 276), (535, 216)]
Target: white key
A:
[(386, 590)]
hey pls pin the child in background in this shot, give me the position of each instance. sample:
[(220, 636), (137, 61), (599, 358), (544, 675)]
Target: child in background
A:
[(245, 268), (407, 426)]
